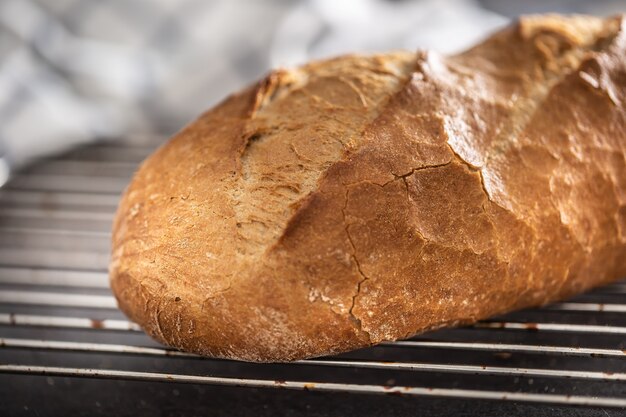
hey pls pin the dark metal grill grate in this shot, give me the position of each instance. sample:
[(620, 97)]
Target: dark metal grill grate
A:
[(58, 321)]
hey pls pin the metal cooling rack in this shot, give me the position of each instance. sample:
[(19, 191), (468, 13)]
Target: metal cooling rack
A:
[(59, 324)]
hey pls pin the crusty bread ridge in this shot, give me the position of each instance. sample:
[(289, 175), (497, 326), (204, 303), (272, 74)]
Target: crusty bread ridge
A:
[(363, 199)]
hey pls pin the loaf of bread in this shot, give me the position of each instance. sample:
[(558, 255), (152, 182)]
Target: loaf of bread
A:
[(370, 198)]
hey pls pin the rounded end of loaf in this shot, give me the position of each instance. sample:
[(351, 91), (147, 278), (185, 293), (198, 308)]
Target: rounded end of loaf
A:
[(257, 311), (239, 324), (249, 308), (201, 259)]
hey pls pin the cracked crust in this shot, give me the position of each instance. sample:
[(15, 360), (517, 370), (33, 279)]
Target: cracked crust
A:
[(364, 199)]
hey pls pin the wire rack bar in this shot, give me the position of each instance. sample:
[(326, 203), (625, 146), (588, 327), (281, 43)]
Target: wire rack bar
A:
[(54, 278), (595, 307), (552, 327), (315, 386), (67, 322), (56, 199), (140, 350), (47, 214), (398, 366), (82, 168), (507, 347), (58, 299), (72, 183), (124, 325)]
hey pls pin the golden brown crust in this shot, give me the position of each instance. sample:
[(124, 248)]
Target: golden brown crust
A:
[(364, 199)]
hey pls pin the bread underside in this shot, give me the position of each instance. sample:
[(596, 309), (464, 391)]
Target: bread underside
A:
[(370, 198)]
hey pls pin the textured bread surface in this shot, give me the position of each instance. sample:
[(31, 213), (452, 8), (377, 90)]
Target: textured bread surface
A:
[(370, 198)]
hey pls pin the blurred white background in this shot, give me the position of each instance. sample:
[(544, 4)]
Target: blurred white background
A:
[(73, 71)]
